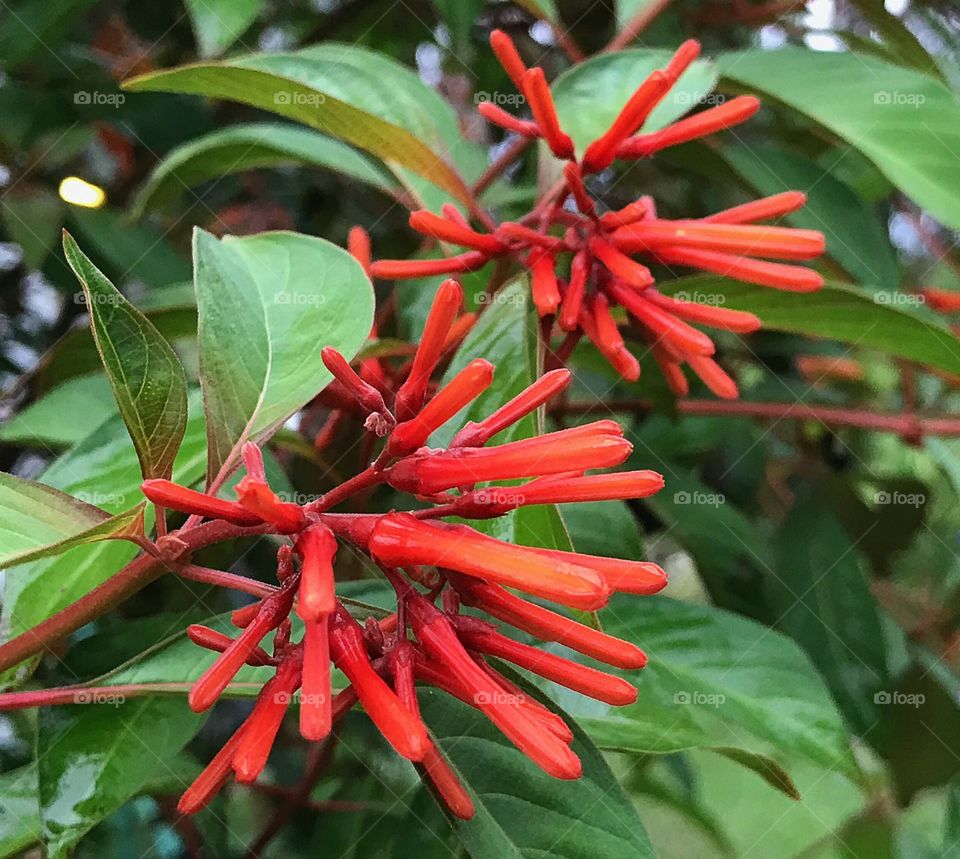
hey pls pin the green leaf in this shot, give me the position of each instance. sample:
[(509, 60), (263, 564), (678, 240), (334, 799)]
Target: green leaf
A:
[(520, 810), (37, 520), (855, 237), (95, 755), (245, 147), (32, 217), (506, 336), (721, 682), (63, 416), (837, 312), (144, 371), (20, 825), (908, 124), (354, 95), (951, 823), (102, 468), (591, 94), (823, 602), (217, 24), (268, 304), (606, 528)]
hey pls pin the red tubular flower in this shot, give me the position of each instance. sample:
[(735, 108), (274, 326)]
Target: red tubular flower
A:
[(760, 210), (271, 612), (317, 547), (548, 625), (571, 172), (260, 729), (535, 89), (440, 642), (402, 729), (257, 497), (358, 245), (602, 329), (543, 281), (673, 331), (683, 58), (710, 121), (444, 310), (489, 111), (506, 53), (596, 445), (793, 278), (573, 298), (210, 639), (449, 231), (608, 688), (400, 540), (671, 370), (462, 389), (369, 398), (184, 500), (713, 376), (738, 321), (214, 776), (620, 265), (603, 150), (316, 716), (629, 577), (518, 232), (761, 241), (627, 215), (401, 269)]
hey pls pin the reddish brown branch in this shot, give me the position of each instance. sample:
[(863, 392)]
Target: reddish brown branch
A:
[(636, 25)]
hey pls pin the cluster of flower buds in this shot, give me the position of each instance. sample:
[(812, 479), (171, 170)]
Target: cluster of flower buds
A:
[(428, 640), (582, 261)]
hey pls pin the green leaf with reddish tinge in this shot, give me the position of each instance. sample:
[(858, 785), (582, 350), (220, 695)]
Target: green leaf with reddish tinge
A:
[(354, 95), (268, 304), (591, 94), (146, 376), (37, 520)]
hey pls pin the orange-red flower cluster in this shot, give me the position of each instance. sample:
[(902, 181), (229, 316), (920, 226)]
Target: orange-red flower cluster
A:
[(425, 642), (583, 262)]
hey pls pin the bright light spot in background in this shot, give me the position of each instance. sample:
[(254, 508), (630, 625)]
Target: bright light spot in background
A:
[(821, 16), (78, 192), (896, 7)]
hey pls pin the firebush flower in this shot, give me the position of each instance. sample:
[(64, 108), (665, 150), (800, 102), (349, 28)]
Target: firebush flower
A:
[(434, 567), (589, 269)]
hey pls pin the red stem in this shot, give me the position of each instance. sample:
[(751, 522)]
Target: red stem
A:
[(636, 25)]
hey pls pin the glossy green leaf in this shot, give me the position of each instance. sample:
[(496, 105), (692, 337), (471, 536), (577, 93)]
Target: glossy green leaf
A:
[(144, 371), (822, 600), (520, 810), (20, 825), (94, 755), (591, 94), (217, 24), (837, 312), (268, 304), (37, 521), (63, 416), (717, 681), (906, 123), (354, 95), (606, 528), (245, 147), (855, 237), (506, 336), (102, 469)]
